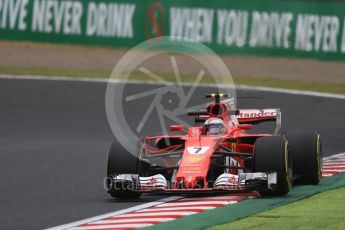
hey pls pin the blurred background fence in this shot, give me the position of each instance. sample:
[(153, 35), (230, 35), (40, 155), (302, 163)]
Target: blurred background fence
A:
[(283, 28)]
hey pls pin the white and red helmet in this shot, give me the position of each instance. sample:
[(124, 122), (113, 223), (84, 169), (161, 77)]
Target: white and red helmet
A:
[(214, 126)]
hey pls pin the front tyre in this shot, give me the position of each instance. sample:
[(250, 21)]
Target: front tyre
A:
[(120, 161), (271, 154)]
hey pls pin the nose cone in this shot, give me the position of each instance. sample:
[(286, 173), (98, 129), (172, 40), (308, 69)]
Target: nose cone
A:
[(195, 162)]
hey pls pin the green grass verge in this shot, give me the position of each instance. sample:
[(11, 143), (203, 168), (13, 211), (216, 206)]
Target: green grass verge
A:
[(266, 82), (250, 207), (323, 211)]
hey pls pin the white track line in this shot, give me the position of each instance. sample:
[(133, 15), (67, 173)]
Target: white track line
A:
[(334, 156), (325, 167), (243, 87), (172, 204), (140, 220), (292, 91), (328, 174), (214, 198), (335, 161), (116, 213), (334, 170), (333, 165), (115, 226), (159, 209), (161, 214), (52, 78)]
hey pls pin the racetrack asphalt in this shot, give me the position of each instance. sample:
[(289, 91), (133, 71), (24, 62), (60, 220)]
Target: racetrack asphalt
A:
[(54, 137)]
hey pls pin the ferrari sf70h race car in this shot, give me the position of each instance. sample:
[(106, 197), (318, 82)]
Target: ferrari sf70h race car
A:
[(217, 155)]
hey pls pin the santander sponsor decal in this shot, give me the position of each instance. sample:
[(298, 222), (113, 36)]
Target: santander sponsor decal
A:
[(254, 113)]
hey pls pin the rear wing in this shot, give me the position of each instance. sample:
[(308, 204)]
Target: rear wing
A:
[(245, 116), (255, 116)]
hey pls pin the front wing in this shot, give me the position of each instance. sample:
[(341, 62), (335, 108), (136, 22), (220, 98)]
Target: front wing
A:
[(157, 184)]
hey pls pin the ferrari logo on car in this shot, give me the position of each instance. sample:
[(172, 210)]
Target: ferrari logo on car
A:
[(195, 159)]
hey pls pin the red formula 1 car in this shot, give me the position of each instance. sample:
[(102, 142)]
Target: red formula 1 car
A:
[(217, 155)]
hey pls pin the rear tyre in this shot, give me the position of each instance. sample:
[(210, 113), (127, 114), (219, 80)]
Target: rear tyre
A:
[(306, 151), (271, 154), (120, 161)]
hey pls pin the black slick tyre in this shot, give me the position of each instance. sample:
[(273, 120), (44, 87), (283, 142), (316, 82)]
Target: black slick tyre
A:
[(306, 151), (120, 161), (271, 154)]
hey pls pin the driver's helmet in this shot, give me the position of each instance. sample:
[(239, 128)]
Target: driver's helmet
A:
[(214, 126)]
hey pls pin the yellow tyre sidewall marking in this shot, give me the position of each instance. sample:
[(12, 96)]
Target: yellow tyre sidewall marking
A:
[(286, 152), (233, 146), (318, 149)]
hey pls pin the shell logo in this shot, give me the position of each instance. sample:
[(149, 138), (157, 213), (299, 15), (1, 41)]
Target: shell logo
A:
[(195, 159)]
